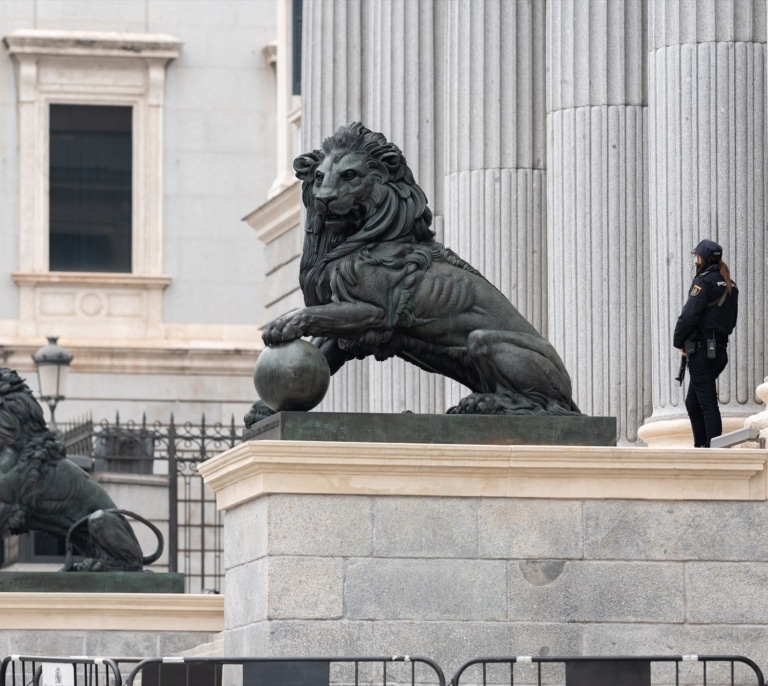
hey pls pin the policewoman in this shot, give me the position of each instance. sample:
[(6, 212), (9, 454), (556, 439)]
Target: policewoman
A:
[(701, 334)]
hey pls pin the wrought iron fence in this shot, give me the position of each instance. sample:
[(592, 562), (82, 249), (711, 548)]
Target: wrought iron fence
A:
[(173, 450)]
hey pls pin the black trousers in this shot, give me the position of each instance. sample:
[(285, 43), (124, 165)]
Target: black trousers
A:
[(701, 401)]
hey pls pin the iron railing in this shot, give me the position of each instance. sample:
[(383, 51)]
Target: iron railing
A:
[(194, 524)]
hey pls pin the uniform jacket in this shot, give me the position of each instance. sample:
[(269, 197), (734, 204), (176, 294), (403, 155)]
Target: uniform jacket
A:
[(701, 316)]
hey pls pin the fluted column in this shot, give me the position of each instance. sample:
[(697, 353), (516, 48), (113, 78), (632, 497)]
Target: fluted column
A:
[(598, 263), (336, 60), (407, 105), (708, 159), (495, 209)]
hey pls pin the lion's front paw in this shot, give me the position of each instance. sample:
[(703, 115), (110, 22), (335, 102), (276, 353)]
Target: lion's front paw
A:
[(259, 410), (289, 327)]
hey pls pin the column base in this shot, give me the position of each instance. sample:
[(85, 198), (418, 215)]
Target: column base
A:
[(676, 433)]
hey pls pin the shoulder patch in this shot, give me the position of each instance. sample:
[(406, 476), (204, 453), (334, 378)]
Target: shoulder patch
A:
[(695, 290)]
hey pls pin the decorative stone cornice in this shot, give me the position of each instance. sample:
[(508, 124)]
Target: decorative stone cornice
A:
[(92, 44), (111, 612), (145, 357), (258, 468), (278, 215)]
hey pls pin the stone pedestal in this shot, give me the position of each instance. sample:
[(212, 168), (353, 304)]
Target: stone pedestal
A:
[(91, 582), (456, 551), (107, 624), (435, 428)]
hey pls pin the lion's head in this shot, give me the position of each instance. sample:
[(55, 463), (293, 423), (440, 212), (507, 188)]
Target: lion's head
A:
[(358, 189)]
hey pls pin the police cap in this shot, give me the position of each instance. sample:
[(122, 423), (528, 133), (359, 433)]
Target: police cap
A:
[(708, 250)]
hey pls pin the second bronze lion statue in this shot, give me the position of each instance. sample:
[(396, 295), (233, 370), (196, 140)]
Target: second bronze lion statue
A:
[(41, 490), (375, 282)]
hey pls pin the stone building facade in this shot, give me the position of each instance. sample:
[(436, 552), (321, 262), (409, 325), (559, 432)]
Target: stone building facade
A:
[(177, 330)]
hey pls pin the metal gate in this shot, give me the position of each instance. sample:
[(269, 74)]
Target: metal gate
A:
[(611, 671)]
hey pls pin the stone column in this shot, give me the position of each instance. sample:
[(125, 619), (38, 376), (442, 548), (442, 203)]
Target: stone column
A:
[(407, 105), (495, 210), (335, 66), (380, 63), (598, 251), (336, 60), (707, 149)]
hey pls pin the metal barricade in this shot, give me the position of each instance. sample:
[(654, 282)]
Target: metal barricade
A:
[(704, 670), (38, 670), (287, 671)]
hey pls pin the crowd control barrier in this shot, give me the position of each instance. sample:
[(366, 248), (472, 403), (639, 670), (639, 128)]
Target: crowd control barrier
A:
[(37, 670), (704, 670), (289, 671)]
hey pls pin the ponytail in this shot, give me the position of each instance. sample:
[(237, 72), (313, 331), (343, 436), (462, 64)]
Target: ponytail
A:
[(726, 274)]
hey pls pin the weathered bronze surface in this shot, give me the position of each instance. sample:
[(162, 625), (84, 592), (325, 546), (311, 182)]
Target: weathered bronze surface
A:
[(85, 582), (435, 428), (375, 282), (40, 490)]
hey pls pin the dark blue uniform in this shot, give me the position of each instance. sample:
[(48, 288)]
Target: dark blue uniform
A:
[(706, 315)]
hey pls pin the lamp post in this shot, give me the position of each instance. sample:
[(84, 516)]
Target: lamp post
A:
[(52, 363)]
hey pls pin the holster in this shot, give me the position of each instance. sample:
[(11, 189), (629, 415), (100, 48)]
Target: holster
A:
[(689, 347)]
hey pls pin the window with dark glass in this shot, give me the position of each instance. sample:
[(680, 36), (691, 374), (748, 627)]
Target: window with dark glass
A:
[(91, 161)]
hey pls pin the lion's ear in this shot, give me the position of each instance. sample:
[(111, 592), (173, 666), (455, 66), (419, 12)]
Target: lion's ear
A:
[(304, 164), (392, 161)]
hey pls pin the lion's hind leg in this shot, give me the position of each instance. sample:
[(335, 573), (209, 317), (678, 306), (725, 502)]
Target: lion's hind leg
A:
[(517, 373), (114, 545)]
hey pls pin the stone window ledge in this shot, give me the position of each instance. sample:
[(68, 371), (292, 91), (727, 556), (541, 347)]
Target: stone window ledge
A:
[(91, 279)]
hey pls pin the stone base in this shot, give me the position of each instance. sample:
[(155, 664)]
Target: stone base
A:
[(90, 582), (459, 551), (435, 428), (676, 433)]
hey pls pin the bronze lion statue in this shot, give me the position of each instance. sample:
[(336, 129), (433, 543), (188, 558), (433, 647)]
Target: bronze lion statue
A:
[(40, 490), (375, 282)]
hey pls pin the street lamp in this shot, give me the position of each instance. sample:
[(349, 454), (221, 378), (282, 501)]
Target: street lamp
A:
[(52, 363)]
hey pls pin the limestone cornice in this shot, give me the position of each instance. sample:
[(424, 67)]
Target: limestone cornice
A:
[(111, 612), (258, 468), (278, 215), (92, 44), (218, 358)]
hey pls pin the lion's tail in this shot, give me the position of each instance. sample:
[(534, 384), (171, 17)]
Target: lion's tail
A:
[(154, 557)]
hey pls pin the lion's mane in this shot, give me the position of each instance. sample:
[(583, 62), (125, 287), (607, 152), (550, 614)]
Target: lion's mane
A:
[(23, 430), (396, 211)]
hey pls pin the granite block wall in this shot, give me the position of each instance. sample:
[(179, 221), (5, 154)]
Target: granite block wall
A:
[(456, 578)]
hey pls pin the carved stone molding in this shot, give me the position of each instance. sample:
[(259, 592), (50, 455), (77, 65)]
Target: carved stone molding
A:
[(257, 468), (91, 68)]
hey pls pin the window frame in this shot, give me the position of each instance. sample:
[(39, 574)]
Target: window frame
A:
[(90, 68)]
